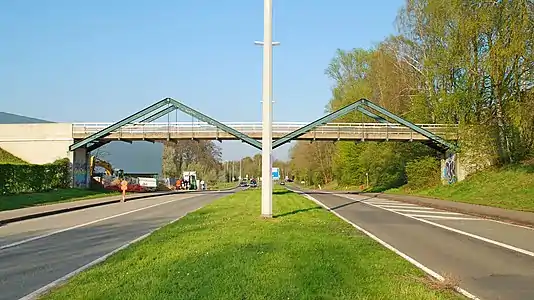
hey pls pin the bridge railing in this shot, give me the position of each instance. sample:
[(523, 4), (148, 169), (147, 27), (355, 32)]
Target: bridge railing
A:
[(341, 130)]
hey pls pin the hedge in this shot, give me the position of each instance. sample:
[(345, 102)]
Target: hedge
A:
[(423, 173), (16, 178)]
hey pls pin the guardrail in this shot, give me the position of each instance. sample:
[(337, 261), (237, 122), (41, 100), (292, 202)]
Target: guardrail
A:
[(254, 128)]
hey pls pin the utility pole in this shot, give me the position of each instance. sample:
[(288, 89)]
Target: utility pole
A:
[(240, 161), (267, 111), (226, 175)]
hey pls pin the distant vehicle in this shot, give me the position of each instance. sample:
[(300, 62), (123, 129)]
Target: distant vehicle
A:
[(282, 183), (289, 180), (253, 183), (243, 183)]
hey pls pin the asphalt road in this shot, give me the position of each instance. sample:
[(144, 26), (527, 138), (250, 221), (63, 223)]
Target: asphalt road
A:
[(35, 252), (492, 260)]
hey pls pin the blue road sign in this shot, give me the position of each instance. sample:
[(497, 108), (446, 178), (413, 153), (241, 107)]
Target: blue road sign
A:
[(276, 173)]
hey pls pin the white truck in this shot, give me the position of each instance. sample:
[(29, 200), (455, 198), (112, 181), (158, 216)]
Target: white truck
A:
[(191, 178)]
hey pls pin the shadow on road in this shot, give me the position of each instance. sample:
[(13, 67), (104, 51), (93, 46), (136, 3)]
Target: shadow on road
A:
[(350, 203)]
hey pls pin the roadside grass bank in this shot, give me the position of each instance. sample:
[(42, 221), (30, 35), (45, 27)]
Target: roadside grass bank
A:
[(17, 201), (8, 158), (511, 187), (227, 251)]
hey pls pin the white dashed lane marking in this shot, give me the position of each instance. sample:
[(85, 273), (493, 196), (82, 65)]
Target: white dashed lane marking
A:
[(420, 212)]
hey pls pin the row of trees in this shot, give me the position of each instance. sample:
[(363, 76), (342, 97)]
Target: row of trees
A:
[(466, 62), (204, 157), (251, 166)]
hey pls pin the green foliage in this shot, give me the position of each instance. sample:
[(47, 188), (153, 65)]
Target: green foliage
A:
[(8, 158), (204, 157), (457, 62), (423, 172), (383, 163), (16, 179)]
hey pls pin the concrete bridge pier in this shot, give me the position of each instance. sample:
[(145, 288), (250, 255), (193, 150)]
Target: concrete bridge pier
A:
[(80, 168), (452, 168)]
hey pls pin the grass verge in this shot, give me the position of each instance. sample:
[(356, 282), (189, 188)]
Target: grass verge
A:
[(227, 251), (511, 187), (222, 185), (62, 195)]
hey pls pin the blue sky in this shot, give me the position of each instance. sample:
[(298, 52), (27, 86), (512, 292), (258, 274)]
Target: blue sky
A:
[(98, 61)]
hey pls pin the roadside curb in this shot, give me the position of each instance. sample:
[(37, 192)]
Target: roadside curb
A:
[(72, 208), (487, 212), (515, 217), (90, 205), (61, 281)]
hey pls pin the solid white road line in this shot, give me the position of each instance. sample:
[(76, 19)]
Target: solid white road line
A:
[(393, 204), (390, 202), (82, 225), (399, 206), (388, 246), (378, 201), (478, 237), (60, 281), (428, 212), (443, 217)]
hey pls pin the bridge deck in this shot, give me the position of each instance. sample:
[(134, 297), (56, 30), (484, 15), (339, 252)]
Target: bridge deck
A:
[(204, 131)]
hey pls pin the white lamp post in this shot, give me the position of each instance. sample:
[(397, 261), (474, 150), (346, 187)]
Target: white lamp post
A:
[(267, 111)]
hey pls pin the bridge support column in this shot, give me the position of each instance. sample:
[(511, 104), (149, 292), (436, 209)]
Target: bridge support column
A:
[(452, 170), (80, 168)]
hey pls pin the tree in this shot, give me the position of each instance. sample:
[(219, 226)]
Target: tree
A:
[(204, 157), (464, 62)]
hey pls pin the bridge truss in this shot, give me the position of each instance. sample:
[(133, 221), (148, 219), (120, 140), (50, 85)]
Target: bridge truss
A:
[(168, 105)]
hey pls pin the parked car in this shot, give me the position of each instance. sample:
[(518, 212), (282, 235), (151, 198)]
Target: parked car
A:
[(243, 183)]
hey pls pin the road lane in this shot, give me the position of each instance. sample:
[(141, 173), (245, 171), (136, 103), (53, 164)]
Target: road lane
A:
[(19, 231), (486, 270), (515, 236), (29, 266)]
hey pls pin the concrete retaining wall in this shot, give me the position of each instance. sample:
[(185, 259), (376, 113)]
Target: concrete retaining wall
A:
[(37, 143)]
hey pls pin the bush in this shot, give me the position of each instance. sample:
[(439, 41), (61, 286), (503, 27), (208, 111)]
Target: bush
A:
[(423, 172), (16, 178)]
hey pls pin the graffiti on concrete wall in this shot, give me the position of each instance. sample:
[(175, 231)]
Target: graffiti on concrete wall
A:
[(449, 170), (79, 172)]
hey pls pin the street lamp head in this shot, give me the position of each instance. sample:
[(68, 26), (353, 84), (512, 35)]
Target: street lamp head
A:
[(259, 43)]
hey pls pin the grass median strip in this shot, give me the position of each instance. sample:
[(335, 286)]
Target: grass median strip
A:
[(62, 195), (227, 251), (223, 185)]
